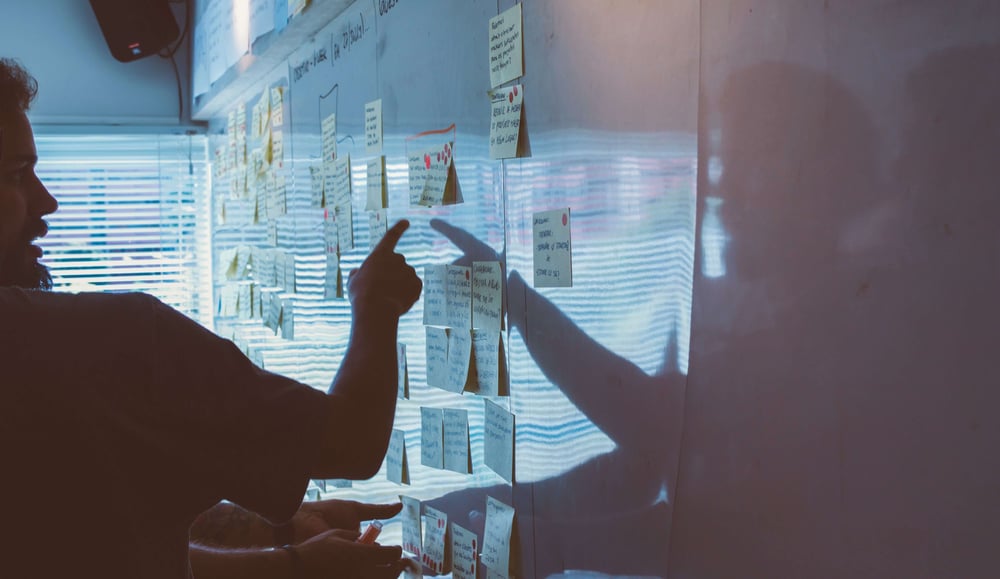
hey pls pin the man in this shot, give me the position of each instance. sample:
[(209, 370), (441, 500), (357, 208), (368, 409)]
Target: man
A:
[(121, 420)]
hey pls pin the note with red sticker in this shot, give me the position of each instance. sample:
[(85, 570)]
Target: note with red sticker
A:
[(411, 525), (552, 249), (435, 534), (432, 177), (505, 122), (463, 552)]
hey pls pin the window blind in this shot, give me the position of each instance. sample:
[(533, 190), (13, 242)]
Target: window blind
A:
[(133, 216)]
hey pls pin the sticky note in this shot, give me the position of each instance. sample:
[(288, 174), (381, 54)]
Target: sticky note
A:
[(499, 440), (496, 537), (464, 545), (435, 296), (437, 356), (263, 267), (377, 194), (410, 516), (552, 249), (378, 225), (505, 121), (272, 311), (333, 283), (431, 437), (244, 302), (396, 468), (506, 46), (228, 297), (316, 186), (459, 356), (373, 127), (287, 320), (489, 363), (435, 533), (456, 441), (277, 150), (458, 296), (402, 372), (487, 295), (329, 137), (432, 179), (337, 189), (277, 116)]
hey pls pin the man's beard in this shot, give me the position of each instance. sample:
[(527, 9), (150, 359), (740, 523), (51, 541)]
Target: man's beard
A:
[(25, 274)]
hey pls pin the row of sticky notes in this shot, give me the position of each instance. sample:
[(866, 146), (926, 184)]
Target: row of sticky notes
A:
[(464, 297), (444, 547)]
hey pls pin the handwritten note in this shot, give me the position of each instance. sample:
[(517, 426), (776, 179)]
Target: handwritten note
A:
[(403, 372), (377, 194), (489, 362), (437, 356), (458, 295), (277, 150), (499, 440), (410, 516), (396, 468), (506, 46), (459, 355), (316, 185), (487, 295), (464, 545), (553, 255), (496, 537), (378, 226), (373, 127), (505, 121), (337, 182), (329, 137), (435, 533), (431, 176), (456, 441), (277, 114), (435, 295), (431, 437)]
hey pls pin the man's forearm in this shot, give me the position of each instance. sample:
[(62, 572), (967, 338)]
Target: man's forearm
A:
[(364, 398), (214, 563), (228, 525)]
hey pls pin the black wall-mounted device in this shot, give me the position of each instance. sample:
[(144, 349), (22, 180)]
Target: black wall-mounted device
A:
[(134, 29)]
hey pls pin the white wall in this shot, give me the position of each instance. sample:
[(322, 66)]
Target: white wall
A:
[(61, 43)]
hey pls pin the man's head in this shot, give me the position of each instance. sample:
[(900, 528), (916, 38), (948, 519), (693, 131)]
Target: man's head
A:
[(24, 201)]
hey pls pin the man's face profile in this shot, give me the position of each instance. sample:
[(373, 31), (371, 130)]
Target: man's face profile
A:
[(24, 201)]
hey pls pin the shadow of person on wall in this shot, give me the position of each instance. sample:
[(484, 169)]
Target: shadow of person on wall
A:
[(612, 513)]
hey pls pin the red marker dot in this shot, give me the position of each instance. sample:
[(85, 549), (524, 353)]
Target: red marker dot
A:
[(564, 219), (466, 275), (427, 161), (510, 97)]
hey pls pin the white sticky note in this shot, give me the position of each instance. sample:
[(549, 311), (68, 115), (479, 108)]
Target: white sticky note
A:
[(464, 545), (459, 356), (487, 295), (435, 533), (244, 302), (410, 516), (402, 372), (378, 225), (499, 440), (437, 163), (431, 437), (552, 249), (337, 193), (496, 537), (373, 127), (277, 114), (458, 296), (416, 176), (506, 46), (329, 137), (437, 356), (228, 298), (456, 441), (316, 185), (377, 195), (435, 295), (272, 313), (277, 150), (333, 284), (505, 121), (396, 467), (489, 363)]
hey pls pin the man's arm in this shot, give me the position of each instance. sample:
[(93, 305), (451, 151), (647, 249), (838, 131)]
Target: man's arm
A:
[(362, 398)]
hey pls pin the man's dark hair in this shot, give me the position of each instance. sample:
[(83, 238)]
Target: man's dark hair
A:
[(17, 87)]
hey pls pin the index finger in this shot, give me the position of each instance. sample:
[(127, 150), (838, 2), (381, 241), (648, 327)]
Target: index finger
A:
[(388, 242)]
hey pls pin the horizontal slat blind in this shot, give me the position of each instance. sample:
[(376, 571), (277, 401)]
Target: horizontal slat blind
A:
[(133, 216)]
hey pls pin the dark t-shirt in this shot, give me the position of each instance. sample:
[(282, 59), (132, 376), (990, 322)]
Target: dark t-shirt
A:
[(120, 421)]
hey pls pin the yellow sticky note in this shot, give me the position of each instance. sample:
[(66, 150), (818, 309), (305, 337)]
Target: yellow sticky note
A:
[(506, 46), (505, 121)]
